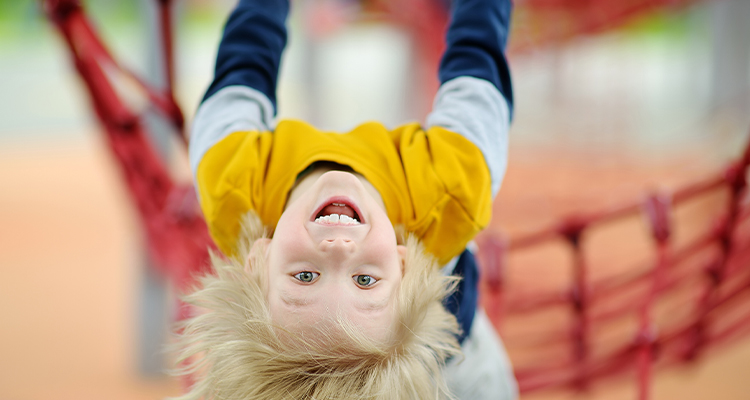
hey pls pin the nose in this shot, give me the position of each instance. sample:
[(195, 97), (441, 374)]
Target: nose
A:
[(338, 248)]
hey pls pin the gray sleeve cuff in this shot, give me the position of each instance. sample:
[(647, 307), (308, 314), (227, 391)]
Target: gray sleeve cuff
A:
[(232, 109), (474, 108)]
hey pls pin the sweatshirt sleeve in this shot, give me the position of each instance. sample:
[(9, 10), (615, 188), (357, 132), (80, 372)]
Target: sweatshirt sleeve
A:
[(242, 95), (250, 50), (230, 137), (475, 98)]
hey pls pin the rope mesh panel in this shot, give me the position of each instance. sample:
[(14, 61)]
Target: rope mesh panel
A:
[(177, 236), (719, 257)]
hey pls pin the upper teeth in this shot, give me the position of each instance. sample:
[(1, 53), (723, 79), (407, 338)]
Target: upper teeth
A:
[(336, 219)]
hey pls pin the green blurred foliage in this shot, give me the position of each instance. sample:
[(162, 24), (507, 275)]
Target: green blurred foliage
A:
[(19, 18), (668, 25), (24, 19)]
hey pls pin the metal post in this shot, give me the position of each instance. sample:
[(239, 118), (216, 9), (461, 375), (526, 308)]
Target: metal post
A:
[(154, 302), (731, 59)]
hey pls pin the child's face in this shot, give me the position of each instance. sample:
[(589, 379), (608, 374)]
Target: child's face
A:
[(319, 269)]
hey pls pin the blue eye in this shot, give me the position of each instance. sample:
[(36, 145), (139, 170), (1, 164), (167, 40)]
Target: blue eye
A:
[(364, 280), (306, 276)]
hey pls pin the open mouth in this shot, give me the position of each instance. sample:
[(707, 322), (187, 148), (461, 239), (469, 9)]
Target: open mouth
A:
[(338, 212)]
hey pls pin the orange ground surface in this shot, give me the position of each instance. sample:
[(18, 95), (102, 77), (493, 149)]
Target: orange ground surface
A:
[(70, 256)]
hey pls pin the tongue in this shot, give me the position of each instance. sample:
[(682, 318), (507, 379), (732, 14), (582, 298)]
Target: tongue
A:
[(341, 210)]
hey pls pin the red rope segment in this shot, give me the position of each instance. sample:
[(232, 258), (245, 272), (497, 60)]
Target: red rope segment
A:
[(177, 236), (721, 313), (716, 272), (165, 20), (572, 230), (657, 210), (69, 18)]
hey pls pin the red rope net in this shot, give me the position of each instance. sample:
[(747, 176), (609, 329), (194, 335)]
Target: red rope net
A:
[(177, 236), (690, 296)]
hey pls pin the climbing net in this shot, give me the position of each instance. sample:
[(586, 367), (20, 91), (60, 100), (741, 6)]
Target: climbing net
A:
[(706, 278), (692, 295), (177, 236)]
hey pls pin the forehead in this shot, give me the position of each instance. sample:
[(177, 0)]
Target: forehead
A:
[(306, 314)]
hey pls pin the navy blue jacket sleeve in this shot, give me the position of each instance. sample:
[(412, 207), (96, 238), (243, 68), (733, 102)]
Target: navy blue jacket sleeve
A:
[(250, 50), (476, 40)]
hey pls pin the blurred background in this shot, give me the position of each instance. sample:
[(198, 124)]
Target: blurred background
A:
[(606, 108)]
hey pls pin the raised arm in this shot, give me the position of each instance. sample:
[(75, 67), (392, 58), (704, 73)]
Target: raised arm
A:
[(476, 42), (242, 96), (250, 50), (476, 98)]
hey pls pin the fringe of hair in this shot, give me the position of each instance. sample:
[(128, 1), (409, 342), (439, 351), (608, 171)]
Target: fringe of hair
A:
[(231, 349)]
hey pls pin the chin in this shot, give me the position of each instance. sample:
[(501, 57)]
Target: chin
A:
[(340, 176), (339, 183)]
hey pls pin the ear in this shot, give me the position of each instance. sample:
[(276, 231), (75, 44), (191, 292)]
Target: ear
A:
[(259, 249), (401, 249)]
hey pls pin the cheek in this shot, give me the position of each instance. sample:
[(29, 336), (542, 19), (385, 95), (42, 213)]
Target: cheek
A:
[(383, 249), (383, 234), (291, 222), (287, 245)]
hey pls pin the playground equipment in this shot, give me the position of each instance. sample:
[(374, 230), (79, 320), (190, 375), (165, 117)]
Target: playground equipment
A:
[(708, 275), (714, 266)]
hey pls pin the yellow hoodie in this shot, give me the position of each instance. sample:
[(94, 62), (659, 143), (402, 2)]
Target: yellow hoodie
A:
[(435, 183)]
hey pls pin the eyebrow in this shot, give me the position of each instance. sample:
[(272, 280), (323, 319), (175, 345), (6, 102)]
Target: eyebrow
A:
[(293, 301), (302, 302), (374, 305)]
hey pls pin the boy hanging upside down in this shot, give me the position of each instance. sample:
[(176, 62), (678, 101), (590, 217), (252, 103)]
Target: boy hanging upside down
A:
[(319, 296)]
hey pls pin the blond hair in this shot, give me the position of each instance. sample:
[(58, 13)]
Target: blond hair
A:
[(232, 350)]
